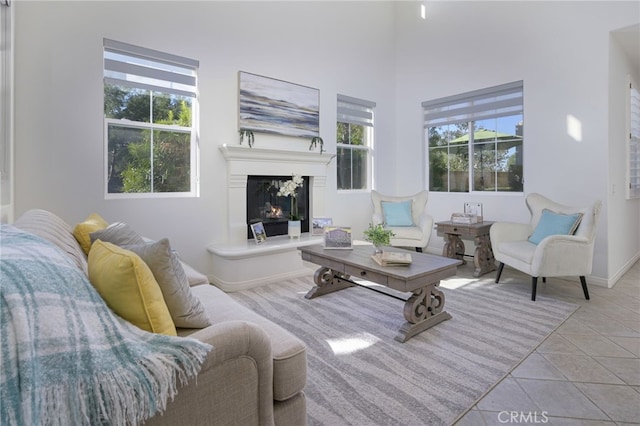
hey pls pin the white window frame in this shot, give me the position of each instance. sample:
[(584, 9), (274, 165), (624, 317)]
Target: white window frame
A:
[(633, 142), (118, 70), (493, 102), (357, 111), (7, 40)]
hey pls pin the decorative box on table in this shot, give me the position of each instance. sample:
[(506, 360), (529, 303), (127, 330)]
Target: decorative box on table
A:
[(464, 218)]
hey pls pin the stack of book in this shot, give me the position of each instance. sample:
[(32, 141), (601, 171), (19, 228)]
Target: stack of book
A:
[(392, 258)]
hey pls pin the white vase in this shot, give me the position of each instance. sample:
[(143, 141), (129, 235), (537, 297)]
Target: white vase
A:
[(295, 228)]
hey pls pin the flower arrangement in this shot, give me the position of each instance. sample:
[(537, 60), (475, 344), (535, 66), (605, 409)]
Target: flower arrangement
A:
[(289, 189), (378, 235)]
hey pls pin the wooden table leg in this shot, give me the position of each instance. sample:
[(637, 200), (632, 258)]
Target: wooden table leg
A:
[(483, 258), (327, 281), (453, 247), (424, 309)]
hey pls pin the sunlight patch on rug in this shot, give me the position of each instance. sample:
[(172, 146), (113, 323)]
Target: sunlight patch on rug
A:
[(351, 344), (455, 282)]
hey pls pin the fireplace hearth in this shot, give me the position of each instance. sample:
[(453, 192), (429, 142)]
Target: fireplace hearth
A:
[(264, 205)]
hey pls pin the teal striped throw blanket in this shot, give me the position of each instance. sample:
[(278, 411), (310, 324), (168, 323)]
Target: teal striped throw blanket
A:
[(67, 359)]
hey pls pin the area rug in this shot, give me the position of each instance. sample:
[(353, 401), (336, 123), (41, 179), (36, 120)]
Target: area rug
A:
[(359, 375)]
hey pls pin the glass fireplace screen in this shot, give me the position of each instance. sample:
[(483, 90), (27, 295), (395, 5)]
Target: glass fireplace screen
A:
[(264, 205)]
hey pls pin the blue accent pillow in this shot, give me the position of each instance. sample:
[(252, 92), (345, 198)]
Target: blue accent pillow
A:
[(552, 223), (397, 214)]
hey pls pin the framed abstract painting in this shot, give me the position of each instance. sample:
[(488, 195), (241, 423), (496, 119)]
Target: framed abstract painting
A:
[(274, 106)]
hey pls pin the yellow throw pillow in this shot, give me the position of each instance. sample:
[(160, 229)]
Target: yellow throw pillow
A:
[(93, 223), (128, 287)]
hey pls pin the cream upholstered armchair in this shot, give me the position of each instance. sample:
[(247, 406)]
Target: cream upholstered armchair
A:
[(406, 216), (557, 242)]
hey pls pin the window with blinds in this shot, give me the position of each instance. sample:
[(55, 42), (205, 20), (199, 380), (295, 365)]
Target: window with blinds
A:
[(354, 140), (633, 148), (150, 110), (475, 140)]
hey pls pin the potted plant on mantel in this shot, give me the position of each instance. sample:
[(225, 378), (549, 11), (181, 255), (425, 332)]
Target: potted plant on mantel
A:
[(378, 236), (317, 140), (289, 189), (248, 134)]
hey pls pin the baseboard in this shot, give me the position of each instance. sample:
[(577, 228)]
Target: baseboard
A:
[(591, 279), (623, 270)]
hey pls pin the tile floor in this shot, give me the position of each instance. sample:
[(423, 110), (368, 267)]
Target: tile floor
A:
[(587, 372)]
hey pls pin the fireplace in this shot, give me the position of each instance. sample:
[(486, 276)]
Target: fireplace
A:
[(243, 162), (237, 262), (264, 205)]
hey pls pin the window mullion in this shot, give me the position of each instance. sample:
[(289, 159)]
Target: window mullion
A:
[(495, 165), (472, 168), (448, 167), (151, 136)]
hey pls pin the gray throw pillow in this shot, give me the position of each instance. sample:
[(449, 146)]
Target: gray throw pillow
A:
[(186, 310), (117, 233)]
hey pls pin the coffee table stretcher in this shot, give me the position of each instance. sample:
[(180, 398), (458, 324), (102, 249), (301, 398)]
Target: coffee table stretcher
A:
[(422, 310)]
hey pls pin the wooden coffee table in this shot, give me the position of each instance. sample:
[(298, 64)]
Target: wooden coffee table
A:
[(423, 309)]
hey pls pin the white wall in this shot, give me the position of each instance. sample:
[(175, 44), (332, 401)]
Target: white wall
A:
[(561, 52), (378, 51), (343, 47)]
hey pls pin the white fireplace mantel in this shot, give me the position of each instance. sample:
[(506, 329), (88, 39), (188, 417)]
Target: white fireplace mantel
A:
[(243, 161), (239, 264)]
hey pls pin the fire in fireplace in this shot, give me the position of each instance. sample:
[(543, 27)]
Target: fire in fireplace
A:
[(264, 205)]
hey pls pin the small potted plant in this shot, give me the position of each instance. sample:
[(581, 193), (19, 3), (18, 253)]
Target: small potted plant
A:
[(317, 141), (378, 235), (249, 135)]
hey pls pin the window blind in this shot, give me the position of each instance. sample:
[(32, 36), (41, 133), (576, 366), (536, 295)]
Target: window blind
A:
[(139, 67), (355, 111), (491, 102)]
